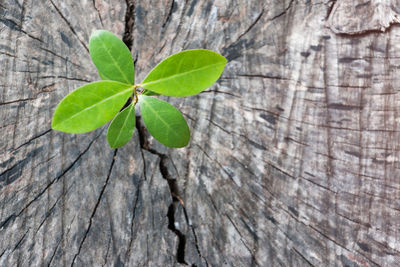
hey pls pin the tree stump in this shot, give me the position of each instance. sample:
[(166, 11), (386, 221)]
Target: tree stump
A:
[(294, 156)]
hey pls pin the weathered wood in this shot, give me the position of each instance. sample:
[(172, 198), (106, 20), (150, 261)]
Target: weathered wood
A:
[(294, 154), (355, 17)]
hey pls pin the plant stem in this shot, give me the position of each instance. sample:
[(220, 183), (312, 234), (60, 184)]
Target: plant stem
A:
[(135, 93)]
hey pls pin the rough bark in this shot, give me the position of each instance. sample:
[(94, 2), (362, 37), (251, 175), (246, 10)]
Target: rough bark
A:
[(294, 154)]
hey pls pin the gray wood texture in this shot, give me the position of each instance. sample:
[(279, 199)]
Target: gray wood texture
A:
[(294, 157)]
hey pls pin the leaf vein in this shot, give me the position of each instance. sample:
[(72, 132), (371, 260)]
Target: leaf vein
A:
[(182, 74), (93, 105), (115, 63)]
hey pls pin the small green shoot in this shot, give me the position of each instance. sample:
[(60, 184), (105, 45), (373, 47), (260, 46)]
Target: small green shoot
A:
[(93, 105)]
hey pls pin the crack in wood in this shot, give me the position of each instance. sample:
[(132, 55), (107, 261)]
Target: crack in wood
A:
[(175, 195), (220, 92), (59, 242), (32, 139), (16, 101), (54, 252), (12, 217), (242, 239), (98, 13), (59, 56), (8, 54), (343, 211), (180, 251), (69, 25), (64, 77), (196, 242), (144, 145), (180, 24), (15, 26), (251, 25), (302, 256), (108, 250), (173, 188), (167, 19), (330, 9), (219, 164), (95, 208), (129, 23), (1, 254), (283, 12), (19, 242), (128, 253), (49, 212)]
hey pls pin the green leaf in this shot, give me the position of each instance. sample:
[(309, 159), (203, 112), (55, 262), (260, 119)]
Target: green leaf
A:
[(111, 57), (164, 122), (90, 106), (186, 73), (122, 127)]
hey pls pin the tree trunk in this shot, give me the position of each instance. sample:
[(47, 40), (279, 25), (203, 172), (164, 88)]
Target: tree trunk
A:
[(294, 156)]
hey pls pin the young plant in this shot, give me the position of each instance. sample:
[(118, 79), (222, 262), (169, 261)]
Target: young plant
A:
[(92, 105)]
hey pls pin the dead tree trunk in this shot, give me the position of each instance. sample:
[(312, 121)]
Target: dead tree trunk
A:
[(294, 157)]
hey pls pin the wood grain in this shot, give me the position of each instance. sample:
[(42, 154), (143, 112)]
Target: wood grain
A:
[(294, 153)]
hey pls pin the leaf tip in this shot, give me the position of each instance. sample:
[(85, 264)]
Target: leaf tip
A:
[(96, 33), (113, 146)]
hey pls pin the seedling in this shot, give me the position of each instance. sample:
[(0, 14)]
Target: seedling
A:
[(94, 104)]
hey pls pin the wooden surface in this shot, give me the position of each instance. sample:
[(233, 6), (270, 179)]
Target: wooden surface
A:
[(294, 156)]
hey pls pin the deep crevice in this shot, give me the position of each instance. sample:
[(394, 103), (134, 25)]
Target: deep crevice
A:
[(129, 23), (128, 33), (173, 188), (180, 251), (144, 145)]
